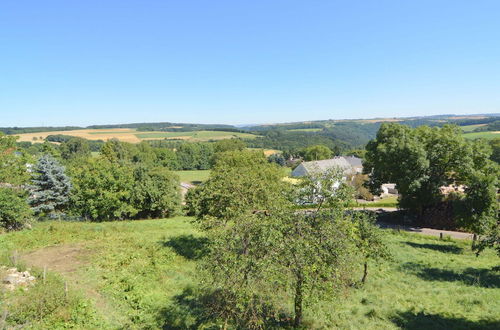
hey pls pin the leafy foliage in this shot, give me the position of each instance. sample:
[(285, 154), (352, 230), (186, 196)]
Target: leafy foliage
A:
[(256, 255), (75, 148), (277, 158), (423, 160), (14, 211), (102, 190), (241, 182), (316, 152), (12, 162), (155, 193), (370, 241)]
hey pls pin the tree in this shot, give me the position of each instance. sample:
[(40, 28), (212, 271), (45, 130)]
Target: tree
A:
[(370, 242), (156, 192), (14, 211), (195, 156), (277, 159), (358, 182), (50, 187), (75, 148), (115, 150), (102, 190), (317, 152), (257, 259), (229, 145), (420, 161), (495, 146), (241, 182), (13, 168)]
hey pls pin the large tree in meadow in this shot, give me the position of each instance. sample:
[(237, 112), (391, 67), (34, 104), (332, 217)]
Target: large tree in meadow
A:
[(263, 251)]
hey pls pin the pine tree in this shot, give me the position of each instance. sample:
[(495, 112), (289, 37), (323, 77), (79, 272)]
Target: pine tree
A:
[(50, 188)]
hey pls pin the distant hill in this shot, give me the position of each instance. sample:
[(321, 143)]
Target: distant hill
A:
[(339, 135)]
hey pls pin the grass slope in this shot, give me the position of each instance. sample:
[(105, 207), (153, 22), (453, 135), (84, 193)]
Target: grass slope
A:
[(131, 272)]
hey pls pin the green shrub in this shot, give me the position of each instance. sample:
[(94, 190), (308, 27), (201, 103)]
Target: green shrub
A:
[(14, 210)]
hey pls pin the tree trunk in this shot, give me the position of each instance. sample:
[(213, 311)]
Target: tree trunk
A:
[(298, 301), (365, 272), (474, 241)]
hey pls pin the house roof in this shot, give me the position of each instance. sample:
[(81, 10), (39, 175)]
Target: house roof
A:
[(325, 165), (354, 161)]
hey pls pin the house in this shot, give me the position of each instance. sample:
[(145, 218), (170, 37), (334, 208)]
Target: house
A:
[(389, 189), (321, 166), (356, 163)]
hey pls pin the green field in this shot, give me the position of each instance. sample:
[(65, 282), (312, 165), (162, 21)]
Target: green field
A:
[(470, 128), (137, 275), (391, 201), (195, 135), (196, 176), (305, 130), (482, 135)]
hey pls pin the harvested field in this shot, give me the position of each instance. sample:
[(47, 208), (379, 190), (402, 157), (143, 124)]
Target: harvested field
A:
[(122, 134), (134, 136)]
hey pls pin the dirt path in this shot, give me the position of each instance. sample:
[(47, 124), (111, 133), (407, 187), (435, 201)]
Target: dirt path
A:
[(428, 231), (63, 259), (68, 260)]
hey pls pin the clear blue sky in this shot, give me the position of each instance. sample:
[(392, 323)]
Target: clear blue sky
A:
[(116, 61)]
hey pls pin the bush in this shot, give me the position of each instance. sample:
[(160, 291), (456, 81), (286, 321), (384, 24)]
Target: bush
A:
[(14, 210), (156, 192)]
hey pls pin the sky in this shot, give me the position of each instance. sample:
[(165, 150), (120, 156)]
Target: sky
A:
[(245, 62)]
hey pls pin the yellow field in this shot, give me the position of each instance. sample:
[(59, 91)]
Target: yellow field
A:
[(122, 134), (134, 136)]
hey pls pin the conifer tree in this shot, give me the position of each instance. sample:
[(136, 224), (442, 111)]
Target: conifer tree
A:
[(50, 187)]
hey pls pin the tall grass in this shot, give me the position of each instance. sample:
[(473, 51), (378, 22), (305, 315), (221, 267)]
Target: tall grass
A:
[(138, 272)]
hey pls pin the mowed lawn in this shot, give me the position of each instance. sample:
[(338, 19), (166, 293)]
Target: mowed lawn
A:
[(194, 176), (130, 274)]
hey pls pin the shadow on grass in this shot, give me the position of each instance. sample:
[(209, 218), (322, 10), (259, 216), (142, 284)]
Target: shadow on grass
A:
[(188, 246), (482, 277), (202, 309), (437, 247), (412, 321)]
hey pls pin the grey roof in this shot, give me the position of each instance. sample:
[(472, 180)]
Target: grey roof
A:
[(322, 166), (354, 161)]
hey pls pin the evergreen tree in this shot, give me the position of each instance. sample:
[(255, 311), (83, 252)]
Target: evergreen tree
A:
[(50, 188)]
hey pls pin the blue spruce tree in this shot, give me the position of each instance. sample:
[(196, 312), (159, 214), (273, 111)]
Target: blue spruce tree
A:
[(50, 188)]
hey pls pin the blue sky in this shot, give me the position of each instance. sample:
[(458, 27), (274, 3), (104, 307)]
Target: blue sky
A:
[(118, 61)]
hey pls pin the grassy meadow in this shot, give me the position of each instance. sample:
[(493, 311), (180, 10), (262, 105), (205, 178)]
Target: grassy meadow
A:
[(483, 135), (137, 275)]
